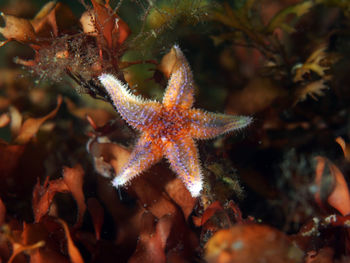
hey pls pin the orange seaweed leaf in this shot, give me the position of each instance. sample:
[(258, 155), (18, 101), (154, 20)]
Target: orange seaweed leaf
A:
[(43, 196), (16, 121), (73, 251), (18, 248), (18, 29), (208, 213), (168, 62), (152, 240), (324, 255), (72, 182), (344, 146), (52, 17), (99, 116), (108, 157), (2, 212), (178, 192), (31, 126), (339, 197), (9, 157), (251, 243), (73, 178), (45, 24), (97, 214), (20, 244), (4, 120), (113, 29)]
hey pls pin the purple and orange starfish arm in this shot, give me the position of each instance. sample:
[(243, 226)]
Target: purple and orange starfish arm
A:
[(134, 109), (144, 155), (207, 125), (183, 157), (180, 90)]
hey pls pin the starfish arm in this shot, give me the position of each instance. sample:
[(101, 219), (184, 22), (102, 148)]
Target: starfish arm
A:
[(183, 157), (206, 125), (144, 155), (180, 87), (135, 110)]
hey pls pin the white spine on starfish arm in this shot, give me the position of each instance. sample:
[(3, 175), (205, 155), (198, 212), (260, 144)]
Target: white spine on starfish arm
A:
[(118, 90), (196, 188), (121, 179)]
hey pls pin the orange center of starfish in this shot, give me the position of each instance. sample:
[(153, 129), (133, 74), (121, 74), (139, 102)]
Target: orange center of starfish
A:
[(169, 123)]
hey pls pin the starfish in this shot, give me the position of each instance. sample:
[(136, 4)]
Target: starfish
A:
[(169, 128)]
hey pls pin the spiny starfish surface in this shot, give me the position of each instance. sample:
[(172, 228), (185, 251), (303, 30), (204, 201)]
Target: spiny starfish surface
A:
[(169, 128)]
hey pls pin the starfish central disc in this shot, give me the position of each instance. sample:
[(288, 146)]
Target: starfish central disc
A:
[(168, 129), (170, 123)]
